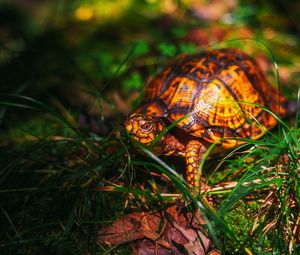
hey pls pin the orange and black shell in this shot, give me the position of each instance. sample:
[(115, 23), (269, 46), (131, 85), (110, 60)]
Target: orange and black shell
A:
[(224, 92)]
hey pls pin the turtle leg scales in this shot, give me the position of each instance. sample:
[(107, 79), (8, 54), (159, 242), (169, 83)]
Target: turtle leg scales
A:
[(193, 155)]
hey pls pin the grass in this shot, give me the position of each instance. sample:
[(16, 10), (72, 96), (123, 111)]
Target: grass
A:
[(64, 173), (55, 190)]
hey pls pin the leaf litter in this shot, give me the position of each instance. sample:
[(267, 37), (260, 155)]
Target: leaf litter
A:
[(169, 231)]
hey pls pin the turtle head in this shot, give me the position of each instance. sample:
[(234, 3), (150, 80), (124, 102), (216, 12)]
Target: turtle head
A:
[(143, 128)]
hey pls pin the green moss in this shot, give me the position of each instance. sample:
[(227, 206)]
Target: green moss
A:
[(240, 219)]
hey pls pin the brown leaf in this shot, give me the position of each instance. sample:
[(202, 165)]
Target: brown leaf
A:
[(193, 241), (148, 247), (168, 231), (123, 230)]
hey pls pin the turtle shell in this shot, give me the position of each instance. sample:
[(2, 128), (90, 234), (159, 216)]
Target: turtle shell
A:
[(218, 93)]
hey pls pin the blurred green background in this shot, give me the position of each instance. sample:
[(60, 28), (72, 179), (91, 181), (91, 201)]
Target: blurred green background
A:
[(73, 50)]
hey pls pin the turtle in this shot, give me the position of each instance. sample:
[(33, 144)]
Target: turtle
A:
[(216, 96)]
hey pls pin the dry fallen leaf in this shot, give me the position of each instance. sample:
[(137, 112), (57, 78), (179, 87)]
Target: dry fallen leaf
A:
[(170, 231), (123, 230)]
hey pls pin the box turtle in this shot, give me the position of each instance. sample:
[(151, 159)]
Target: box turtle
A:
[(216, 96)]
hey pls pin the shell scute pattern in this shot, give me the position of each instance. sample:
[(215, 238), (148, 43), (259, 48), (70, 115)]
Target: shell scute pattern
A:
[(216, 96), (223, 90)]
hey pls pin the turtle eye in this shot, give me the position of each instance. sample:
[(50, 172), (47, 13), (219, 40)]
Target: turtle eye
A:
[(147, 126)]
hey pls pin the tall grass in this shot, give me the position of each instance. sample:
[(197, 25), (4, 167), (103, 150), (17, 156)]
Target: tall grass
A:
[(61, 185)]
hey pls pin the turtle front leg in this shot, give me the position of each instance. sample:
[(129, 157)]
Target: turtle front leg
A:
[(193, 155)]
